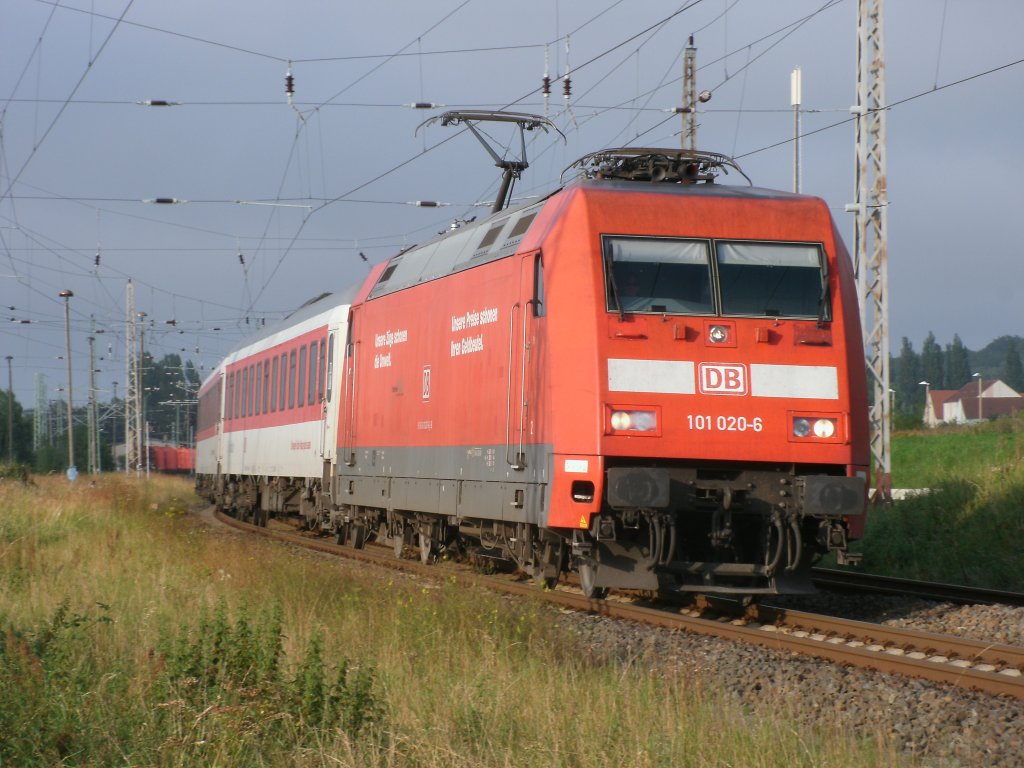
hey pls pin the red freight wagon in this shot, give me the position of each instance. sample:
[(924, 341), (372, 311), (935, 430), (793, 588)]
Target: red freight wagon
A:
[(186, 459)]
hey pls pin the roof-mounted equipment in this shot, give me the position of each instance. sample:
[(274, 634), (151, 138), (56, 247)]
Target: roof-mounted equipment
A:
[(675, 166), (512, 169)]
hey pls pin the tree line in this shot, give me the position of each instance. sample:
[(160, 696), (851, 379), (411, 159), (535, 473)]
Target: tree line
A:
[(949, 368), (165, 382)]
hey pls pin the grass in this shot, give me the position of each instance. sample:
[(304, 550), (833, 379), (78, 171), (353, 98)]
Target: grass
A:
[(924, 458), (968, 528), (131, 635)]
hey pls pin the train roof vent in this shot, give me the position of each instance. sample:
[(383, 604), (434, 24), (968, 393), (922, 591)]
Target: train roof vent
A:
[(491, 235), (673, 166), (316, 298)]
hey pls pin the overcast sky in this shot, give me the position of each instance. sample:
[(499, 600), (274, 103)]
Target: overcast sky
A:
[(79, 155)]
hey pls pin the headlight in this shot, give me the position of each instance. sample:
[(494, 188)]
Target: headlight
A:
[(718, 334), (821, 427), (824, 428), (634, 421)]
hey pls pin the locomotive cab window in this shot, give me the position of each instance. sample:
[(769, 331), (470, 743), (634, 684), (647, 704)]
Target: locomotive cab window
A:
[(772, 279), (658, 275)]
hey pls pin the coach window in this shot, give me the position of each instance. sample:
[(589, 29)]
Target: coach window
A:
[(252, 389), (302, 377), (658, 276), (273, 387), (284, 380), (311, 394), (259, 387), (236, 392), (245, 392), (330, 365), (229, 405), (772, 279), (291, 379), (266, 384), (320, 373)]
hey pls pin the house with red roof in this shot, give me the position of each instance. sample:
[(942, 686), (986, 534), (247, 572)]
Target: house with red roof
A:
[(976, 401)]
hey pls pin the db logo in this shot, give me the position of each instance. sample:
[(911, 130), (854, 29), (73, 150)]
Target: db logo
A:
[(723, 379)]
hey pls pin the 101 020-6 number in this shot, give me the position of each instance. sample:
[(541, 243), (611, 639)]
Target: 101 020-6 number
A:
[(707, 423)]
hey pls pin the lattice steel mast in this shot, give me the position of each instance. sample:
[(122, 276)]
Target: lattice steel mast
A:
[(871, 258), (688, 137), (92, 421), (133, 387), (41, 416)]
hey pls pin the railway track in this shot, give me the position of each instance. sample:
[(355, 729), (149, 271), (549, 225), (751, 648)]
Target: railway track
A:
[(854, 581), (989, 667)]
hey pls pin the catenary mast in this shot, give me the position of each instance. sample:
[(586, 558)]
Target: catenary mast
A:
[(870, 209)]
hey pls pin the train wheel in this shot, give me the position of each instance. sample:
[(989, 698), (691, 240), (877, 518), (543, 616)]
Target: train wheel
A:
[(588, 575), (398, 541), (357, 535), (547, 565), (341, 534), (428, 553)]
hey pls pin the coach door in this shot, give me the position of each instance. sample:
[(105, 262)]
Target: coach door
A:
[(328, 397), (349, 387), (525, 324)]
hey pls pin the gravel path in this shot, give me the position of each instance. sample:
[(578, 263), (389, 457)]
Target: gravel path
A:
[(939, 725)]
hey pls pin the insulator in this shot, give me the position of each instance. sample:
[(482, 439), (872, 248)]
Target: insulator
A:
[(241, 259), (566, 87), (546, 87), (289, 84), (97, 261), (423, 105)]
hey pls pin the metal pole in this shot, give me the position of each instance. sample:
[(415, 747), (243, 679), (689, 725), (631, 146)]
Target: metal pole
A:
[(140, 401), (871, 251), (795, 86), (688, 137), (66, 295), (10, 412), (92, 401)]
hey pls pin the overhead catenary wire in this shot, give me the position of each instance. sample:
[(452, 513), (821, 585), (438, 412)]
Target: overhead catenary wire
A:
[(38, 143), (298, 242)]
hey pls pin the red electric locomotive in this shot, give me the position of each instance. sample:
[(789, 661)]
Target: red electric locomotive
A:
[(647, 377)]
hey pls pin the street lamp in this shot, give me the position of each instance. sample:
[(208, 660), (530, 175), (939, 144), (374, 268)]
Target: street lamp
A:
[(66, 295), (10, 412), (978, 377)]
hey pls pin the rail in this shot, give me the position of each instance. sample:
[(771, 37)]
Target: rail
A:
[(989, 667), (855, 581)]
